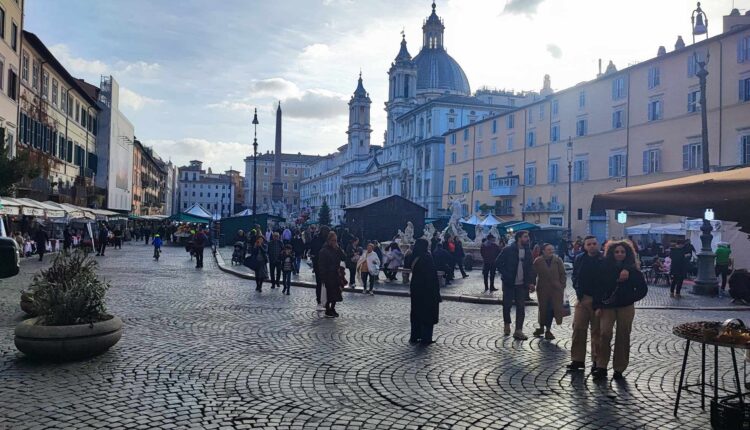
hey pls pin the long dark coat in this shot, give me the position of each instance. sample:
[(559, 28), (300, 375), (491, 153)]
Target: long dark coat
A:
[(329, 261), (424, 291)]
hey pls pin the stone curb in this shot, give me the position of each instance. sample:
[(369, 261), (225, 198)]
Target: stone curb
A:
[(468, 299), (445, 297)]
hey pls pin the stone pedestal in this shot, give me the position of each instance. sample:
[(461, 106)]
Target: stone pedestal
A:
[(706, 283)]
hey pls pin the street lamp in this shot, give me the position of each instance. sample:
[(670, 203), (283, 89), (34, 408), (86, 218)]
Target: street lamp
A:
[(255, 164), (570, 188), (699, 22)]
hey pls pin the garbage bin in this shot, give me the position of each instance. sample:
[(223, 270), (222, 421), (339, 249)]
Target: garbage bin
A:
[(9, 258)]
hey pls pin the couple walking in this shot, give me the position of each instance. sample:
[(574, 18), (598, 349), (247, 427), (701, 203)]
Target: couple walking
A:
[(607, 287)]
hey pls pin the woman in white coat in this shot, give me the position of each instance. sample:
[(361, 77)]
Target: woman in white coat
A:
[(368, 266)]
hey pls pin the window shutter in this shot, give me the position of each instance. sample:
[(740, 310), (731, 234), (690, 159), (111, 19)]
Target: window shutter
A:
[(623, 165), (657, 160), (685, 157), (645, 162), (611, 166), (742, 88), (741, 48)]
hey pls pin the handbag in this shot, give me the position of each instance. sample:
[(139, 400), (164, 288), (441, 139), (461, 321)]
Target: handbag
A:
[(250, 262), (566, 308)]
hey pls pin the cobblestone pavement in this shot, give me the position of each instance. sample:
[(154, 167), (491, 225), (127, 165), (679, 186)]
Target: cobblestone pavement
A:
[(201, 349), (473, 286)]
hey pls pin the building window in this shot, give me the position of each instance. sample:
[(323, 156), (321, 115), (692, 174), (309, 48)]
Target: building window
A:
[(453, 139), (530, 115), (530, 174), (743, 49), (479, 150), (25, 67), (579, 214), (14, 36), (493, 175), (651, 161), (451, 185), (655, 110), (554, 133), (494, 126), (654, 77), (745, 89), (618, 88), (510, 121), (582, 127), (553, 175), (692, 156), (493, 147), (531, 138), (45, 84), (479, 180), (745, 149), (466, 152), (12, 84), (466, 134), (35, 74), (693, 103), (465, 184), (581, 99), (555, 107), (692, 63), (541, 112), (453, 157), (427, 187), (427, 158), (617, 118), (54, 92), (509, 143), (617, 165), (581, 169)]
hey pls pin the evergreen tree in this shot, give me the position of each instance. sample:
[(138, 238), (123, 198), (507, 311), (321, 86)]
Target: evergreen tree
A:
[(324, 215)]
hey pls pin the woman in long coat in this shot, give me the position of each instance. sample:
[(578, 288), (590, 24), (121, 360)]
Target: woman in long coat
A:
[(329, 261), (424, 290), (550, 289), (259, 255)]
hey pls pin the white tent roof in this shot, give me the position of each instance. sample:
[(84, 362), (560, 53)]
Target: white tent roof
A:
[(197, 210), (491, 220), (677, 229), (246, 212), (473, 220), (638, 229)]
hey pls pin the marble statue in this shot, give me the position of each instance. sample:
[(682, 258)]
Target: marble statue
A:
[(429, 231), (478, 234), (494, 232), (408, 233)]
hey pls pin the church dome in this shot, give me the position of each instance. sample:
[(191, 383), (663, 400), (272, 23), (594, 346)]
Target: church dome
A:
[(438, 71)]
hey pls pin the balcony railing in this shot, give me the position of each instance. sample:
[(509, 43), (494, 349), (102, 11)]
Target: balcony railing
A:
[(505, 186), (549, 207), (504, 211)]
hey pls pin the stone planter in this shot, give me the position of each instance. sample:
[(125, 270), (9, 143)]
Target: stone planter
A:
[(70, 342)]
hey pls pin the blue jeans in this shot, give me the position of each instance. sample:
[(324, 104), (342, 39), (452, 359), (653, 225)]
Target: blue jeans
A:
[(297, 261), (287, 280)]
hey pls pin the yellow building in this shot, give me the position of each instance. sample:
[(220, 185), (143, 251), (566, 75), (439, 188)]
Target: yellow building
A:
[(629, 127), (11, 24), (58, 119)]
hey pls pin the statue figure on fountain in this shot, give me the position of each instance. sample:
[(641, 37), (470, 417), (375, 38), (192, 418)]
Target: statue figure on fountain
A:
[(454, 225), (478, 234), (408, 235), (428, 232), (494, 232)]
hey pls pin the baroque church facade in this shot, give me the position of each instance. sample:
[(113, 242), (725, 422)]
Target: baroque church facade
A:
[(428, 95)]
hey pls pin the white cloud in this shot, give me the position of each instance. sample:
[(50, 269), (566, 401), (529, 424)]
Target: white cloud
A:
[(554, 50), (76, 65), (131, 99), (521, 7), (277, 88), (218, 155), (315, 104)]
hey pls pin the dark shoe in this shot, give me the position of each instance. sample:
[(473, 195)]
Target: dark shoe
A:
[(465, 275), (538, 332), (335, 314), (257, 289), (330, 314), (599, 373), (493, 289), (576, 365), (618, 376), (426, 342)]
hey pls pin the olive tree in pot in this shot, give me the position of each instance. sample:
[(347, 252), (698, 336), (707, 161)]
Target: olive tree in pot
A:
[(71, 318)]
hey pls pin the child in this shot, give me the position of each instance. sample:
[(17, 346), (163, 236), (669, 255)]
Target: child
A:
[(287, 267), (157, 246)]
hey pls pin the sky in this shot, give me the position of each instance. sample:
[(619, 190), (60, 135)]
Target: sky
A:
[(190, 77)]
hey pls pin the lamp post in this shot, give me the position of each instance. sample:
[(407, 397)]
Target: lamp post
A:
[(706, 283), (570, 188), (255, 164)]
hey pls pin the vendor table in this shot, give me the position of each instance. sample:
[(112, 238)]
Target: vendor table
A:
[(695, 332)]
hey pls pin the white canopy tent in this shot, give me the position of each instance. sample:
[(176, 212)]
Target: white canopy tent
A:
[(198, 211), (246, 212), (473, 220), (490, 220)]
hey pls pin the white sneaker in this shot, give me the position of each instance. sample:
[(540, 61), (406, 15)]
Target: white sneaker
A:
[(320, 308), (506, 330), (518, 335), (371, 293)]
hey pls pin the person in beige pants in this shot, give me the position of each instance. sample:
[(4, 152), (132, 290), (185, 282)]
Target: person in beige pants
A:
[(550, 288), (587, 270), (623, 285)]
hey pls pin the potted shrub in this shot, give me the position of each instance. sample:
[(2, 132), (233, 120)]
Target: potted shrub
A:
[(72, 321)]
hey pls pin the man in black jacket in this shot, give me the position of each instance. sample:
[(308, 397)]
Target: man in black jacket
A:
[(316, 245), (274, 259), (515, 266), (587, 272), (442, 260), (353, 252)]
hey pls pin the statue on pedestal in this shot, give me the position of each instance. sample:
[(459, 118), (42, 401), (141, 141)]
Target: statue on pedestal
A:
[(429, 231), (478, 234), (409, 233)]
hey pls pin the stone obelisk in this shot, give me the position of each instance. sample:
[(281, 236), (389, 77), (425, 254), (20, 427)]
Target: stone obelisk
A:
[(277, 187)]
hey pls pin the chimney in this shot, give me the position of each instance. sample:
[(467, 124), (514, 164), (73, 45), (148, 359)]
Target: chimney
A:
[(679, 44), (661, 51), (600, 68)]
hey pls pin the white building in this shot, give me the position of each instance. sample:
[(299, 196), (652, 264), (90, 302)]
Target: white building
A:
[(428, 96), (214, 192)]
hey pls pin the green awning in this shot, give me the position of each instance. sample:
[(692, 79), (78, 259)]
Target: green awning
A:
[(183, 217)]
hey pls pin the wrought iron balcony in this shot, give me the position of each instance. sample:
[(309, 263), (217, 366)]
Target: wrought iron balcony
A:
[(549, 207), (505, 186)]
